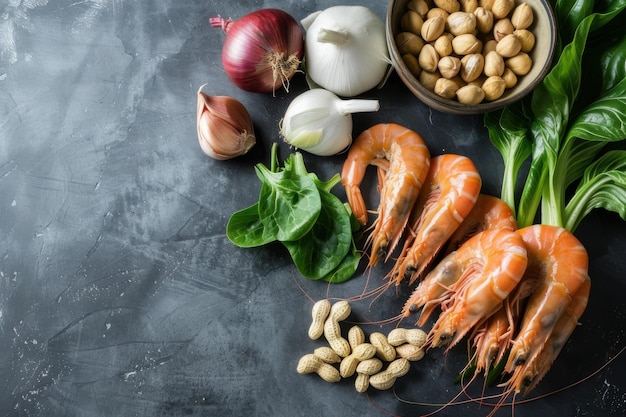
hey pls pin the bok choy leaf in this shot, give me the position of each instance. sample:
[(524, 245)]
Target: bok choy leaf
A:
[(564, 126)]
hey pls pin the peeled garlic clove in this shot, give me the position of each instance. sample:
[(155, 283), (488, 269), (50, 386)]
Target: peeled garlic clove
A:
[(489, 46), (484, 19), (520, 64), (429, 79), (502, 28), (493, 87), (449, 66), (409, 43), (412, 64), (501, 8), (469, 5), (412, 22), (470, 94), (433, 28), (509, 46), (428, 58), (466, 44), (526, 38), (509, 77), (487, 4), (459, 23), (418, 6), (449, 6), (522, 16), (443, 44), (494, 64), (437, 12), (224, 126), (446, 88), (472, 66)]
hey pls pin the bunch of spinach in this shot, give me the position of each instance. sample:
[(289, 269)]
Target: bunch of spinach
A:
[(297, 209), (569, 132)]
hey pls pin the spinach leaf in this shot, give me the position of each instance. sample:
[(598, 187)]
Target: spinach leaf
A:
[(298, 209), (288, 203), (325, 245), (346, 268), (245, 229)]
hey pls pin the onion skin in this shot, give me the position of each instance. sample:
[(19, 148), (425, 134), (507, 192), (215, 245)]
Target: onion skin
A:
[(262, 50)]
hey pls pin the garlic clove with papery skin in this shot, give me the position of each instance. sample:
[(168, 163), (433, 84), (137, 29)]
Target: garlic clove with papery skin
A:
[(224, 126)]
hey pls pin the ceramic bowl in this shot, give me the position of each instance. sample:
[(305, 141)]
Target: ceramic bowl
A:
[(544, 29)]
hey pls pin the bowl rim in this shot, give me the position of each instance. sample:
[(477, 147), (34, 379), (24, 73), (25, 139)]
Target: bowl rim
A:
[(452, 106)]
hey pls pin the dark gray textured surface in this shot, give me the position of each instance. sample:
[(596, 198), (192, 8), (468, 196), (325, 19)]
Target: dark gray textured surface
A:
[(120, 294)]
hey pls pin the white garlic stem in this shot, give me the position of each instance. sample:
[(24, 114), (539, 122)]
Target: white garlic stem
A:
[(320, 123), (333, 36), (357, 106)]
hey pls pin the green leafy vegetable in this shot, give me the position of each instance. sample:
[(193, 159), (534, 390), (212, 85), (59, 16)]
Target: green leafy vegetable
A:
[(328, 241), (298, 209), (289, 202), (564, 126), (246, 230)]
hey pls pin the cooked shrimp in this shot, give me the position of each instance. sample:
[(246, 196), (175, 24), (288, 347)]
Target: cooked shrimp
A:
[(436, 287), (492, 338), (495, 268), (529, 375), (488, 212), (560, 263), (408, 162), (447, 197)]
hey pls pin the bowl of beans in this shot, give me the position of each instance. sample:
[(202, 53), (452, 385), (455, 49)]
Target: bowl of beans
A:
[(471, 56)]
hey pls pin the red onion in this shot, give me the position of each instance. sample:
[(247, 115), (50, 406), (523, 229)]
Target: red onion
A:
[(262, 50)]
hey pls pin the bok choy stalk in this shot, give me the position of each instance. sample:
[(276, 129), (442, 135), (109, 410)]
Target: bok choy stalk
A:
[(571, 129)]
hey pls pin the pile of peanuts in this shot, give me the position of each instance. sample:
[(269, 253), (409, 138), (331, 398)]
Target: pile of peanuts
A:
[(356, 356)]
